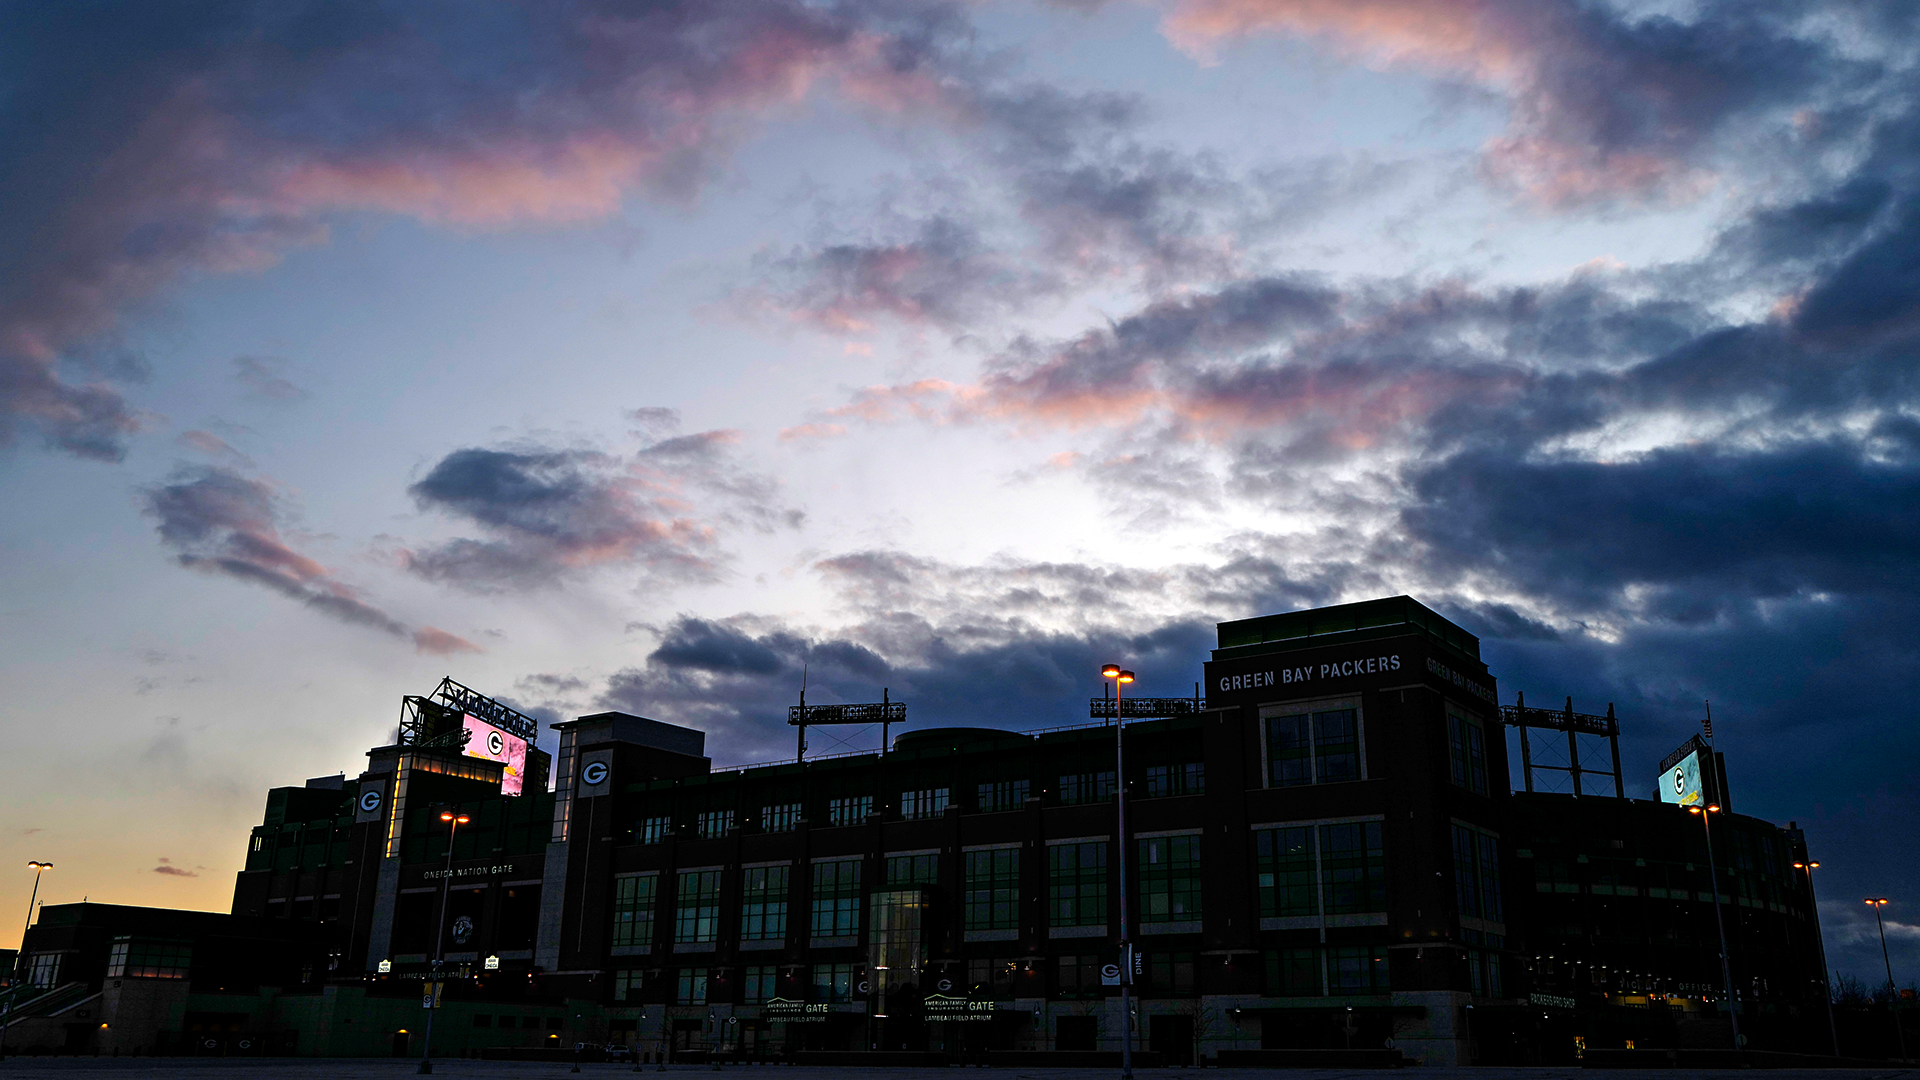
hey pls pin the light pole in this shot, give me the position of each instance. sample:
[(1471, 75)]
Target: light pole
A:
[(13, 991), (1120, 678), (1713, 876), (1820, 941), (1893, 996), (454, 820)]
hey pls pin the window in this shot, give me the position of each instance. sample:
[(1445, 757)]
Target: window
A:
[(45, 971), (691, 990), (1077, 788), (696, 915), (1476, 873), (1189, 779), (1171, 973), (1288, 872), (1484, 970), (1313, 748), (849, 809), (992, 976), (784, 817), (1353, 864), (633, 910), (1467, 751), (836, 898), (626, 986), (1002, 795), (1313, 971), (1293, 972), (1312, 870), (482, 1019), (908, 870), (1356, 969), (992, 896), (714, 824), (833, 982), (926, 803), (652, 830), (763, 903), (1077, 976), (1170, 879), (759, 984), (1077, 884), (135, 959)]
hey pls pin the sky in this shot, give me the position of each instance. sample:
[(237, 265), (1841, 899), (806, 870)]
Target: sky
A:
[(648, 356)]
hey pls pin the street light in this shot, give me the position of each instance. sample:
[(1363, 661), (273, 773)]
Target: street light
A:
[(454, 820), (1713, 876), (1893, 996), (1820, 941), (1120, 678), (13, 991)]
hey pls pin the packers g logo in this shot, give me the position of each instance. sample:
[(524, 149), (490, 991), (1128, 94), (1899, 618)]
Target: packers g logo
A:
[(594, 774), (496, 744), (370, 800)]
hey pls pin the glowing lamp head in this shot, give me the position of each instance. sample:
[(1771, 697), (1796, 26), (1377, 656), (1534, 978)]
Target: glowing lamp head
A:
[(1713, 808), (36, 864), (1815, 865), (1693, 809), (1111, 671), (1126, 676)]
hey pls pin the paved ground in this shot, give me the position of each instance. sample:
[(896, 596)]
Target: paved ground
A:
[(393, 1069)]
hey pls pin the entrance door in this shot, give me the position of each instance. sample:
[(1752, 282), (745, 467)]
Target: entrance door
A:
[(400, 1041), (1077, 1033), (1171, 1036)]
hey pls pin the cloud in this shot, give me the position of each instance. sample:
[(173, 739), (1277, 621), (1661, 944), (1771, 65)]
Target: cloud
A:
[(225, 137), (437, 642), (214, 447), (259, 376), (550, 513), (166, 867), (220, 522), (944, 275), (1603, 104)]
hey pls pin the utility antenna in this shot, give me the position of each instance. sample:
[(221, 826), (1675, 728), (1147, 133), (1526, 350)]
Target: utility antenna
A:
[(802, 755)]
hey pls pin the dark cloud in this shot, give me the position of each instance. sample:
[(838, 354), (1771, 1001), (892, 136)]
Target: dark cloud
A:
[(735, 678), (944, 275), (1603, 103), (166, 867), (220, 522), (551, 513)]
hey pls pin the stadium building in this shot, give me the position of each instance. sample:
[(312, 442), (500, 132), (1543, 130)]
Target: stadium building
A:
[(1323, 850)]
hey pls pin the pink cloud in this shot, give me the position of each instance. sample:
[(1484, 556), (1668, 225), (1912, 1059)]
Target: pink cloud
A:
[(1566, 145), (437, 642)]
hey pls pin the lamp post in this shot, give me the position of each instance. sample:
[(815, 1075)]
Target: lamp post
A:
[(432, 997), (1713, 876), (13, 991), (1893, 996), (1120, 678), (1820, 942)]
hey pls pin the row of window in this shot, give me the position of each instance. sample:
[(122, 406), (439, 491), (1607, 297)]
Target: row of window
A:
[(1311, 871), (1321, 746), (1306, 971), (994, 797)]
